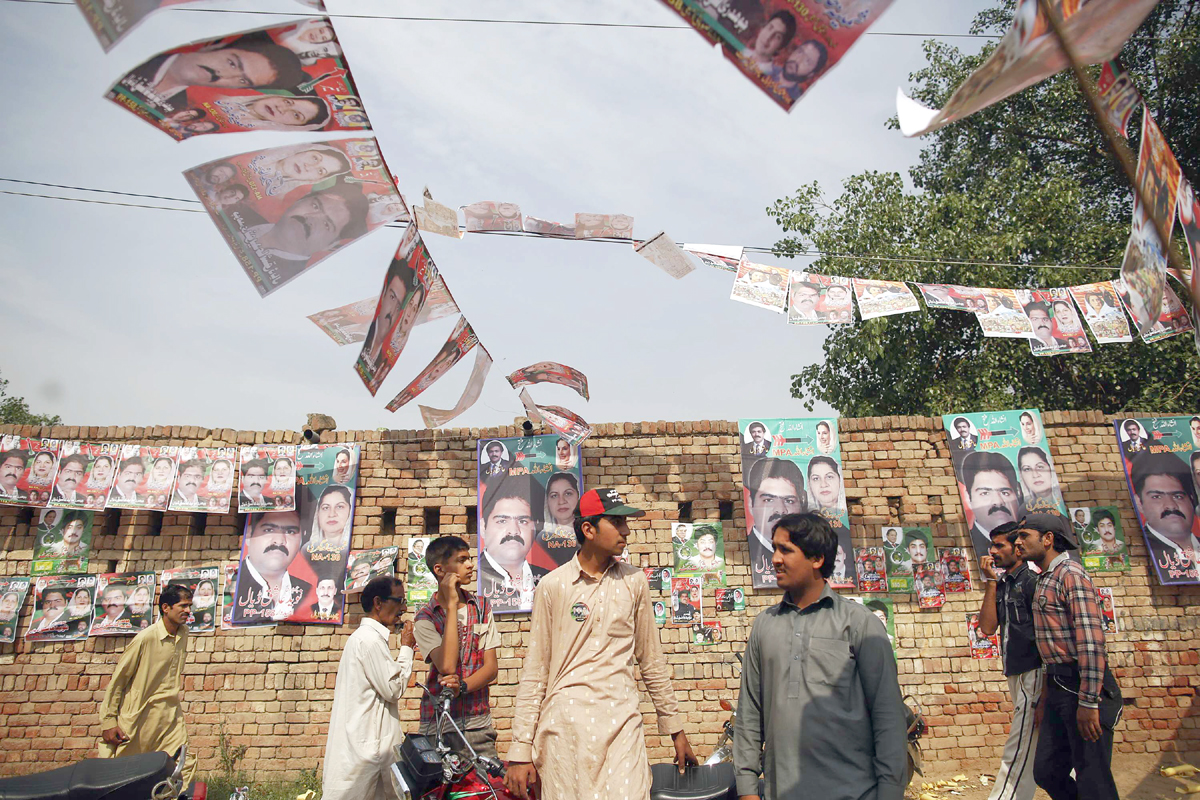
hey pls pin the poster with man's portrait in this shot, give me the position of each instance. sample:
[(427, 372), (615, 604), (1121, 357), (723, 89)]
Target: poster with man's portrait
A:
[(951, 297), (870, 563), (1004, 469), (687, 601), (761, 286), (85, 474), (1161, 457), (365, 565), (204, 480), (1056, 325), (12, 599), (1101, 308), (902, 548), (27, 470), (460, 342), (1101, 538), (284, 210), (570, 426), (487, 215), (820, 299), (62, 608), (884, 298), (267, 478), (229, 575), (203, 582), (290, 78), (1172, 319), (63, 543), (145, 477), (1108, 609), (702, 553), (526, 522), (420, 584), (956, 575), (982, 647), (124, 603), (789, 466), (550, 372), (707, 633), (1003, 316), (603, 226)]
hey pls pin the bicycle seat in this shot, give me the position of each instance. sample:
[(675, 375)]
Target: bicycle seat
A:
[(126, 778), (707, 782)]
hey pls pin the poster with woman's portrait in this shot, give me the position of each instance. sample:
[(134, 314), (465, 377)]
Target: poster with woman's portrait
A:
[(85, 475), (145, 477), (870, 563), (492, 216), (204, 480), (761, 286), (124, 603), (27, 470), (460, 342), (12, 599), (982, 647), (727, 599), (62, 608), (820, 299), (687, 601), (63, 543), (202, 580), (365, 565), (550, 372), (267, 478), (884, 298)]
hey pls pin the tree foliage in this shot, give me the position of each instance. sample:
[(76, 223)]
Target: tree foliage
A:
[(1026, 181), (15, 411)]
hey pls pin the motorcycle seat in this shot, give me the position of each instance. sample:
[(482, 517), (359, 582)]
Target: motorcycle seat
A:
[(126, 778), (706, 782)]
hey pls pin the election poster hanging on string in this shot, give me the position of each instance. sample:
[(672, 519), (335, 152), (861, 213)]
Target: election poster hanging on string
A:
[(27, 469), (762, 286), (1102, 311), (145, 477), (491, 216), (550, 372), (1056, 325), (436, 417), (111, 20), (1118, 96), (819, 300), (460, 342), (883, 298), (350, 323), (204, 482)]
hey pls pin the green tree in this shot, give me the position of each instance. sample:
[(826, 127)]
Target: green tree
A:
[(1025, 181), (15, 411)]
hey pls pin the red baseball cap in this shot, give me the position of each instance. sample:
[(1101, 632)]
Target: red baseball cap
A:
[(605, 502)]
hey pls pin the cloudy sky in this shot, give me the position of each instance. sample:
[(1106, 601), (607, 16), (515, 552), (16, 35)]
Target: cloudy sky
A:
[(111, 315)]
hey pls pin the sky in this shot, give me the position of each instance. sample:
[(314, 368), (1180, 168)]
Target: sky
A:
[(113, 315)]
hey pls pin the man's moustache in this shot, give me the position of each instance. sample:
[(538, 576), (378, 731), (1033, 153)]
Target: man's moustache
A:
[(1176, 512), (512, 537), (280, 547), (999, 509)]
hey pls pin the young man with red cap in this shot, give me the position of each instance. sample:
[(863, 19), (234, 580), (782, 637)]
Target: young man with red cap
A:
[(577, 729), (1081, 702)]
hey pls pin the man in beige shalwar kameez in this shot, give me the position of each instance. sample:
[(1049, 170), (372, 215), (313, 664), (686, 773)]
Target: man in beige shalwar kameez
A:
[(577, 729)]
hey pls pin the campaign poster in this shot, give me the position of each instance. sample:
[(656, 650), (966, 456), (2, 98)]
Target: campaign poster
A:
[(603, 226), (1056, 325), (789, 466), (1004, 469), (883, 298), (782, 46), (406, 285), (436, 417), (1189, 220), (820, 300), (929, 586), (569, 425), (727, 599), (64, 542), (661, 251), (1118, 96), (1108, 609), (1029, 53), (12, 599), (1101, 539), (545, 227), (951, 297), (1161, 457), (229, 575), (204, 481), (906, 550), (1172, 320), (761, 286), (1158, 173), (364, 565), (660, 613), (687, 601), (870, 563), (124, 603), (550, 372), (700, 552), (435, 217), (284, 210), (884, 610), (267, 478), (62, 608), (956, 574), (75, 460), (202, 580), (460, 342), (487, 215), (714, 260), (1143, 279), (347, 324), (528, 488), (27, 470), (1004, 317), (145, 477), (112, 19), (706, 633), (659, 578), (288, 78), (982, 647), (1101, 308)]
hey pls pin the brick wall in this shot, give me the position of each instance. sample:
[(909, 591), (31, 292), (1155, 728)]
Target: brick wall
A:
[(272, 690)]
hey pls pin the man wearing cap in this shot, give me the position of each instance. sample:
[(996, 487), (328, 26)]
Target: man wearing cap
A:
[(1166, 498), (577, 728), (1081, 703), (1008, 608)]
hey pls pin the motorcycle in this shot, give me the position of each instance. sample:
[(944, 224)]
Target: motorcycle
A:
[(147, 776)]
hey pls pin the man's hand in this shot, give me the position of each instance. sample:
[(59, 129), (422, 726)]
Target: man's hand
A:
[(683, 751), (987, 566), (448, 590), (406, 635), (451, 681), (1088, 722), (520, 779), (114, 736)]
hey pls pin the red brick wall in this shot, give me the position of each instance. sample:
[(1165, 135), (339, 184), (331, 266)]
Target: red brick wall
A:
[(273, 689)]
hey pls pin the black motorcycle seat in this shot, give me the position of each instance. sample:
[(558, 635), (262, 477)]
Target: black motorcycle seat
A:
[(126, 778), (706, 782)]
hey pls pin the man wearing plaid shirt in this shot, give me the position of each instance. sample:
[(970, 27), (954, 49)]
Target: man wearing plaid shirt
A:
[(1082, 702)]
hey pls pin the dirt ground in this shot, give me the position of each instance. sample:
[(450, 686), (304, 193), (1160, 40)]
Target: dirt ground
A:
[(1137, 778)]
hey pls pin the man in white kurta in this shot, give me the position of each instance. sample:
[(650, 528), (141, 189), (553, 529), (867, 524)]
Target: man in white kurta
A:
[(365, 723)]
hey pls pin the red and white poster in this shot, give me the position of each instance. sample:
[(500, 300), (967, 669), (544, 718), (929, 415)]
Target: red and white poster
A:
[(1101, 308), (884, 298), (491, 216), (85, 475), (1118, 95), (27, 470), (204, 482), (267, 478), (460, 342), (145, 477), (551, 372), (436, 417), (1056, 325)]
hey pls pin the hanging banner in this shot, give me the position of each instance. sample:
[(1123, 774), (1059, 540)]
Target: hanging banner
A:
[(64, 542), (420, 585), (202, 581), (12, 599), (545, 227), (124, 603), (551, 372), (1189, 220), (112, 19), (349, 324), (953, 298), (569, 425), (1029, 53), (1004, 317), (1118, 95), (406, 284), (1143, 280), (145, 477), (437, 218), (490, 216), (204, 482), (1158, 173), (788, 466), (1172, 320), (661, 251), (267, 478), (762, 286), (884, 298), (436, 417), (62, 608), (286, 78), (283, 211), (27, 469), (603, 226), (364, 565), (1101, 539), (982, 647), (1162, 466), (1101, 308), (989, 450), (956, 575), (819, 300), (782, 46), (870, 566), (700, 552), (85, 475), (528, 489), (461, 340), (1056, 326)]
